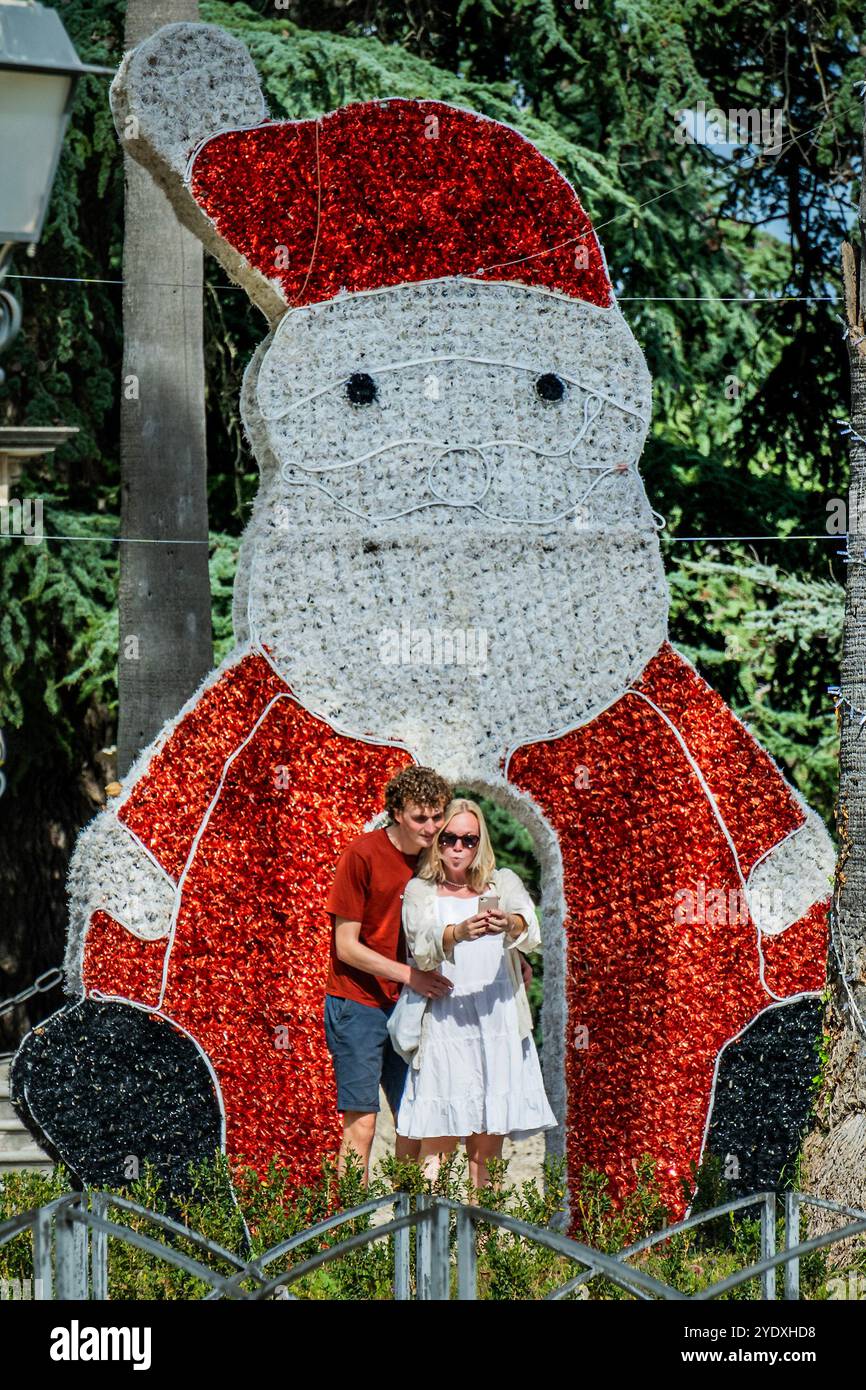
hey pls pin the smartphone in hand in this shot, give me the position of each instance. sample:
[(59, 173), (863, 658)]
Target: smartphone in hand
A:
[(490, 903)]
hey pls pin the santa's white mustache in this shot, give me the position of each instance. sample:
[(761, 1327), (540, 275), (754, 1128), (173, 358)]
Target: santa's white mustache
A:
[(592, 407), (482, 450)]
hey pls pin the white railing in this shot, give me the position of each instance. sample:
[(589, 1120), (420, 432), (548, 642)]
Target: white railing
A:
[(70, 1248)]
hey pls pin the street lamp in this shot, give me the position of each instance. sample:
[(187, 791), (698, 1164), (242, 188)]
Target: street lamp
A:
[(39, 70)]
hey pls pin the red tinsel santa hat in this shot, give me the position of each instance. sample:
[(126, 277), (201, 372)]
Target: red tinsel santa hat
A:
[(388, 192)]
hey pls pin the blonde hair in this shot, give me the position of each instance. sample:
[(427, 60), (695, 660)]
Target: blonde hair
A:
[(478, 874)]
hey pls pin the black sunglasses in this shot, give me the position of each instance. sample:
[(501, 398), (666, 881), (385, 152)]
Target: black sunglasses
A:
[(449, 839)]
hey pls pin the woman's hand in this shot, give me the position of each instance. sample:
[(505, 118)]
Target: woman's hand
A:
[(498, 922), (471, 928)]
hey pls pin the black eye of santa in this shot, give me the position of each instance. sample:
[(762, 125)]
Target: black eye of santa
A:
[(361, 389), (550, 387)]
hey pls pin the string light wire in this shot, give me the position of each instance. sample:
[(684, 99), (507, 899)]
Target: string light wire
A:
[(621, 299)]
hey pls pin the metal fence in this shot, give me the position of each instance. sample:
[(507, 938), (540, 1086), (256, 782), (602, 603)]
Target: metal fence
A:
[(70, 1248)]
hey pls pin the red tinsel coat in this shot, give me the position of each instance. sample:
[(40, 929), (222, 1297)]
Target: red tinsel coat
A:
[(250, 800)]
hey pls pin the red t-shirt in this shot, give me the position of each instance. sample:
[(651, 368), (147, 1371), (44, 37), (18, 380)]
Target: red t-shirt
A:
[(368, 887)]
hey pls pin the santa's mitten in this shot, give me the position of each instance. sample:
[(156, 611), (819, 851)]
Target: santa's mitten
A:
[(103, 1086)]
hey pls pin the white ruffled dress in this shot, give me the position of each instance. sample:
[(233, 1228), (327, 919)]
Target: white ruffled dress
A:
[(477, 1076)]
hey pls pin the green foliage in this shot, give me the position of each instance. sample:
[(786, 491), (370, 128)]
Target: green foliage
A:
[(58, 625), (222, 563), (755, 631), (823, 1082), (509, 1266), (22, 1191), (58, 621)]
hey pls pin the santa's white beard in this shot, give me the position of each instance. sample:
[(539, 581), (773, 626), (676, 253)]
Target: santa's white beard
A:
[(461, 639)]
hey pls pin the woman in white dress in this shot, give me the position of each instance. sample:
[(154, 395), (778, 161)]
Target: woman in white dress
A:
[(474, 1072)]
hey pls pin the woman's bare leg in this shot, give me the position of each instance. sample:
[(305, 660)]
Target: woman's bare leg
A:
[(480, 1147), (432, 1152)]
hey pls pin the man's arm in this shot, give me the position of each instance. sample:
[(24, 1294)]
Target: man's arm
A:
[(352, 951)]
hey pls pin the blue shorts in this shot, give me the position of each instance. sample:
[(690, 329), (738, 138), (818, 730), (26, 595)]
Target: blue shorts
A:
[(360, 1047)]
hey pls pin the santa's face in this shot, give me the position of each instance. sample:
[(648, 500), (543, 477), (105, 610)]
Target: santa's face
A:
[(453, 548)]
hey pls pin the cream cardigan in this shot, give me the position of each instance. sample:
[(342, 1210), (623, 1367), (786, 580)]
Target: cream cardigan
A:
[(424, 937)]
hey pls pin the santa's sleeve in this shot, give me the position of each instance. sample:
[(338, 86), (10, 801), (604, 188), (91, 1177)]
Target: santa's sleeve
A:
[(125, 872), (174, 783), (784, 852)]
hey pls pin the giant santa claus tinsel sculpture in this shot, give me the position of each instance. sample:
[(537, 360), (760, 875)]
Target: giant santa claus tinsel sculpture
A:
[(452, 560)]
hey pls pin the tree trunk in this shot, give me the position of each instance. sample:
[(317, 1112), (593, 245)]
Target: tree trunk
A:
[(166, 646), (835, 1152)]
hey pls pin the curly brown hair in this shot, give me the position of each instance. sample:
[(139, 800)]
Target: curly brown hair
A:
[(420, 785)]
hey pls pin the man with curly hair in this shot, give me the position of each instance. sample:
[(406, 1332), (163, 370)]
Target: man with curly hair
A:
[(368, 956)]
